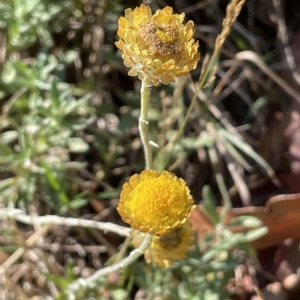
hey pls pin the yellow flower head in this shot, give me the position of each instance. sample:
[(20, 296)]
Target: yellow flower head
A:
[(155, 202), (164, 250), (157, 47)]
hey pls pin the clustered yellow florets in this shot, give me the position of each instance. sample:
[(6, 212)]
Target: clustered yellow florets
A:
[(157, 47), (164, 250), (155, 203)]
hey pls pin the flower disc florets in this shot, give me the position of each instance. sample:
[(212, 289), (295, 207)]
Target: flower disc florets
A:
[(165, 249), (154, 202), (157, 47)]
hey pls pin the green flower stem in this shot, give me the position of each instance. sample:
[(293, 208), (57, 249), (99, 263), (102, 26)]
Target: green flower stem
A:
[(144, 123), (91, 281)]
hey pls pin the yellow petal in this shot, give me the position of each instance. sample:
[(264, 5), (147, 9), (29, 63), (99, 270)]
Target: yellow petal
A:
[(158, 47), (154, 202)]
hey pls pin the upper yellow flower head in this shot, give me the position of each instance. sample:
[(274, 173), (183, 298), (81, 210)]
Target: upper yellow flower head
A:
[(157, 47), (165, 249), (155, 202)]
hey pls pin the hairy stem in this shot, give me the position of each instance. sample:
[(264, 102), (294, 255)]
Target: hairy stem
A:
[(144, 123), (91, 281)]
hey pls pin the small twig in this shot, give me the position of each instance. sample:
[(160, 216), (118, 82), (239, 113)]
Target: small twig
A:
[(28, 243), (224, 81), (20, 216), (259, 293), (37, 257), (55, 247), (91, 281)]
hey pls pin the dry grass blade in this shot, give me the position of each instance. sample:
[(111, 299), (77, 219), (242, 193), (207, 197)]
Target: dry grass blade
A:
[(244, 147), (28, 243), (237, 178), (233, 10), (10, 103), (215, 111), (253, 57), (199, 5), (213, 156)]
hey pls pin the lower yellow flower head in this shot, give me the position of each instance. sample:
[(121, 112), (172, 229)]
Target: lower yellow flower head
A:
[(157, 47), (164, 250), (155, 203)]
